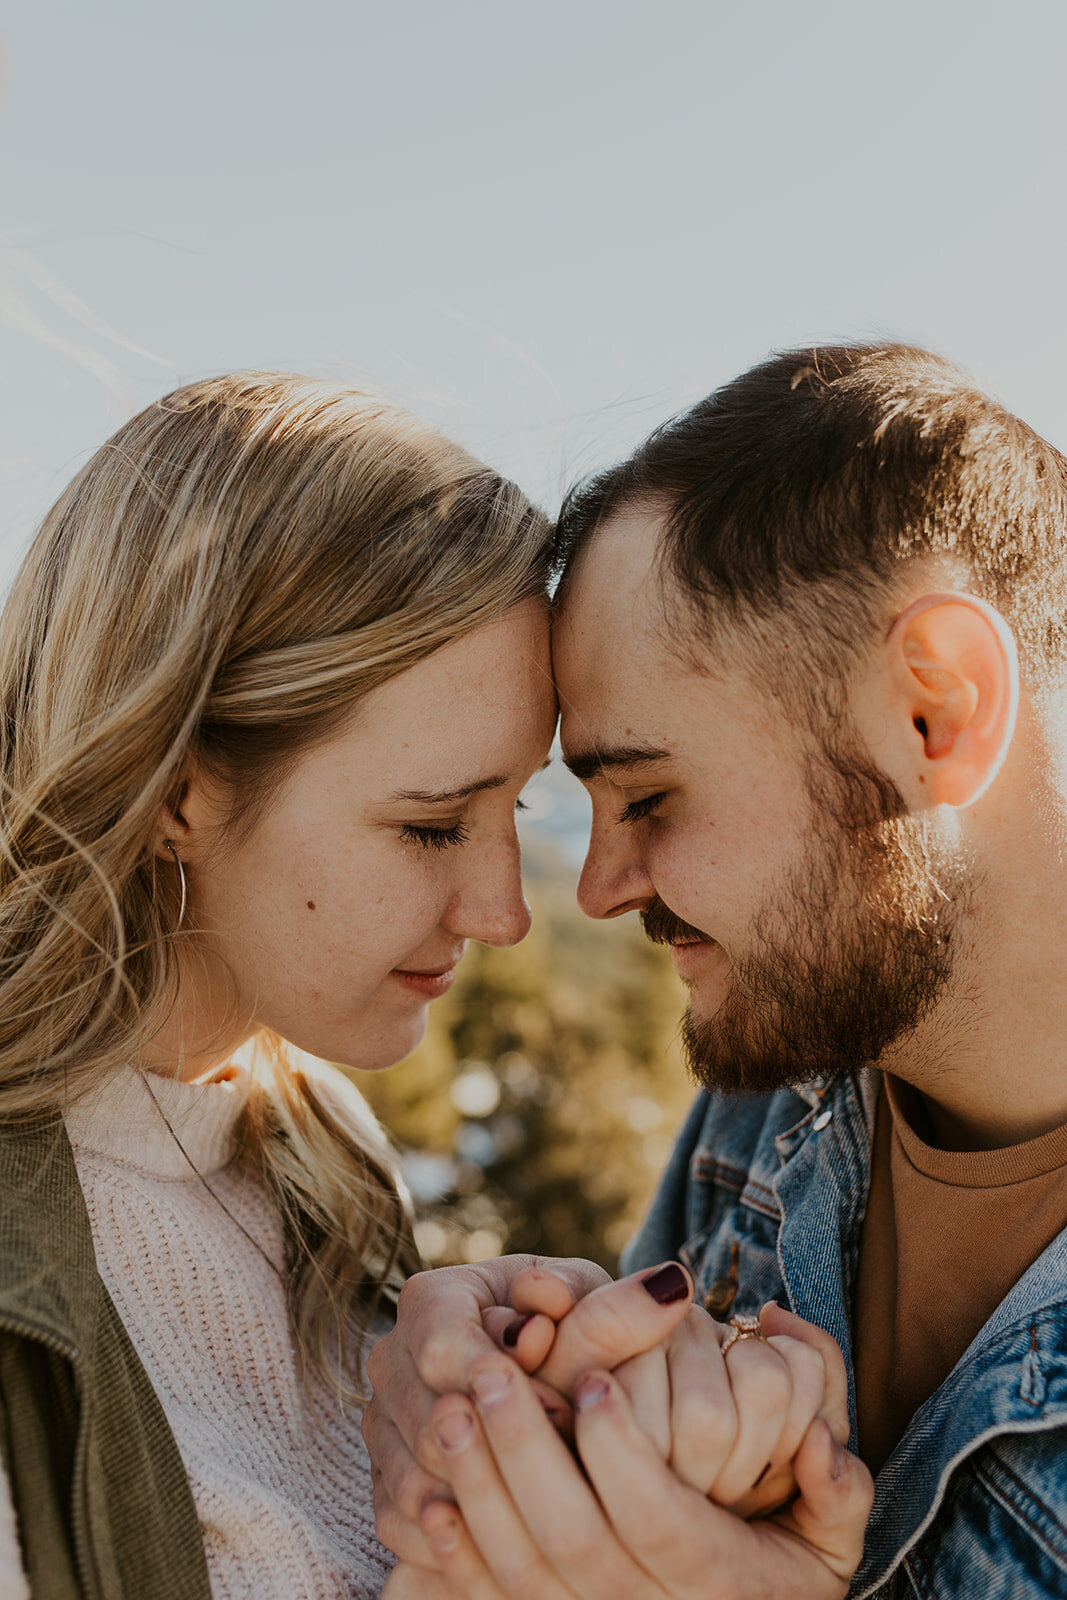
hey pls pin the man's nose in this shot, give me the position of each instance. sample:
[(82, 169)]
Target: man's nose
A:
[(613, 879)]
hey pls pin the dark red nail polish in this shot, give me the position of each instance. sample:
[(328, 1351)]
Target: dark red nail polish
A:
[(513, 1329), (667, 1284)]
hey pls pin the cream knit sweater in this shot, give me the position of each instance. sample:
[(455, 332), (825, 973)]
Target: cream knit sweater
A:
[(284, 1499)]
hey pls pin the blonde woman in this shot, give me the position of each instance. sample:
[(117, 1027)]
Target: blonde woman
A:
[(273, 674)]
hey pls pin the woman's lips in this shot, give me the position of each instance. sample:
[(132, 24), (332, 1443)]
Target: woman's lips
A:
[(431, 985)]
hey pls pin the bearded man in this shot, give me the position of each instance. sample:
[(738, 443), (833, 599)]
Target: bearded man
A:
[(811, 649)]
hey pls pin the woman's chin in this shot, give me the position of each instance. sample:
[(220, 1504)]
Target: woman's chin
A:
[(386, 1048)]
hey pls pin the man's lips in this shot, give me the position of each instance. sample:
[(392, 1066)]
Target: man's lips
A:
[(690, 957)]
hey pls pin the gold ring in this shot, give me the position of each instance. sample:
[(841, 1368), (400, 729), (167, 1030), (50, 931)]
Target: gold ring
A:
[(743, 1328)]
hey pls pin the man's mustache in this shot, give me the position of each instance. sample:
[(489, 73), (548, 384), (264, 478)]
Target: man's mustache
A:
[(663, 927)]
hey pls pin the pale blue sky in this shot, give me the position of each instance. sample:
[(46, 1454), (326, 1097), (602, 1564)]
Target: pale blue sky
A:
[(546, 226)]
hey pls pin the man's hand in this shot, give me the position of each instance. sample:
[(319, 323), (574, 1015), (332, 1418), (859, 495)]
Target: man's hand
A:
[(633, 1531), (728, 1425)]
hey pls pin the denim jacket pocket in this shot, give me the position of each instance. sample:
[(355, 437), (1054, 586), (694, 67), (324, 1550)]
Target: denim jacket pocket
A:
[(734, 1258), (1002, 1534)]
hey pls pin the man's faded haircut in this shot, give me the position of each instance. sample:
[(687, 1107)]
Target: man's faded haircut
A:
[(795, 498)]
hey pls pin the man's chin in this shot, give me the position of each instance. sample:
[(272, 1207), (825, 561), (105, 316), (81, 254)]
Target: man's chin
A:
[(724, 1057)]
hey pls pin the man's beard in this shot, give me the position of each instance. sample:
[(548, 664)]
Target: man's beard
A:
[(848, 958)]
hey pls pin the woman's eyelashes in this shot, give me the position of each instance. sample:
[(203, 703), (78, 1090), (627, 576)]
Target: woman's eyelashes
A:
[(638, 810), (436, 836), (431, 838)]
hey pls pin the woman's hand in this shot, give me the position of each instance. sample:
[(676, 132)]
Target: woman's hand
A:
[(527, 1525), (439, 1333)]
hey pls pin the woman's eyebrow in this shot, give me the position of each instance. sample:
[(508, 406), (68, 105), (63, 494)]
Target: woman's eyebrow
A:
[(436, 797), (432, 797)]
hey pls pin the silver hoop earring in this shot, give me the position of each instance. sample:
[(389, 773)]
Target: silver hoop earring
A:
[(169, 845)]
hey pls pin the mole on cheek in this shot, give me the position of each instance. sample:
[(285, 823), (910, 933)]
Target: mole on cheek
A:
[(311, 905)]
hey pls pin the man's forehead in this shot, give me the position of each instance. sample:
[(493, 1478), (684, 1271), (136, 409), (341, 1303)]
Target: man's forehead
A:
[(615, 714), (624, 685), (608, 618), (608, 683), (616, 570)]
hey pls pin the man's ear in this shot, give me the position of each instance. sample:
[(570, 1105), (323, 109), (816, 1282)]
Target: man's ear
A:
[(953, 693)]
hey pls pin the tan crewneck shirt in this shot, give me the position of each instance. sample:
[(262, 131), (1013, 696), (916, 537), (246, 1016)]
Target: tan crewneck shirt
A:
[(946, 1236)]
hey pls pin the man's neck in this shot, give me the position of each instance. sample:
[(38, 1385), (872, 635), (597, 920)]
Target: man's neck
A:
[(990, 1060), (990, 1063)]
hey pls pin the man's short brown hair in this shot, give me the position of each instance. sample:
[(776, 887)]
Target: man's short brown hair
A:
[(794, 497)]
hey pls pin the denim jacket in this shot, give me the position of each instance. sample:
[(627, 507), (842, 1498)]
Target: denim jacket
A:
[(763, 1199)]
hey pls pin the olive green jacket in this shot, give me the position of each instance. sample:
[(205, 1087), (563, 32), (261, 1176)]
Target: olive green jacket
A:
[(103, 1502)]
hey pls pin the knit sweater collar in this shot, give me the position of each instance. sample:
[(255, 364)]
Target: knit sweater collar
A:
[(124, 1119)]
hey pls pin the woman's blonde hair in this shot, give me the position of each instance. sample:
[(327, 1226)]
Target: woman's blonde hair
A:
[(231, 572)]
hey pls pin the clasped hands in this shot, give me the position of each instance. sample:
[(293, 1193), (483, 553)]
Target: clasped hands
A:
[(541, 1433)]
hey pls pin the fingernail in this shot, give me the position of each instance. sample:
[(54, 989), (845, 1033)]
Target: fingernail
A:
[(667, 1284), (837, 1461), (455, 1431), (762, 1475), (443, 1535), (513, 1329), (589, 1393), (490, 1388)]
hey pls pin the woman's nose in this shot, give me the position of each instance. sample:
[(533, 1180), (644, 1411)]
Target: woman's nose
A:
[(490, 906)]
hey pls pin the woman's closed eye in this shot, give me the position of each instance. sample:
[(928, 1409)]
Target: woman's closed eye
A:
[(638, 810), (435, 838), (440, 836)]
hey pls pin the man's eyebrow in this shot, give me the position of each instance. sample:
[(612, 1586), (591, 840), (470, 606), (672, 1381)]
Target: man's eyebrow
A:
[(586, 764), (437, 797)]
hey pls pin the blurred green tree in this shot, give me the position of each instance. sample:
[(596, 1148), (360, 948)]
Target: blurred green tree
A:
[(541, 1106)]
